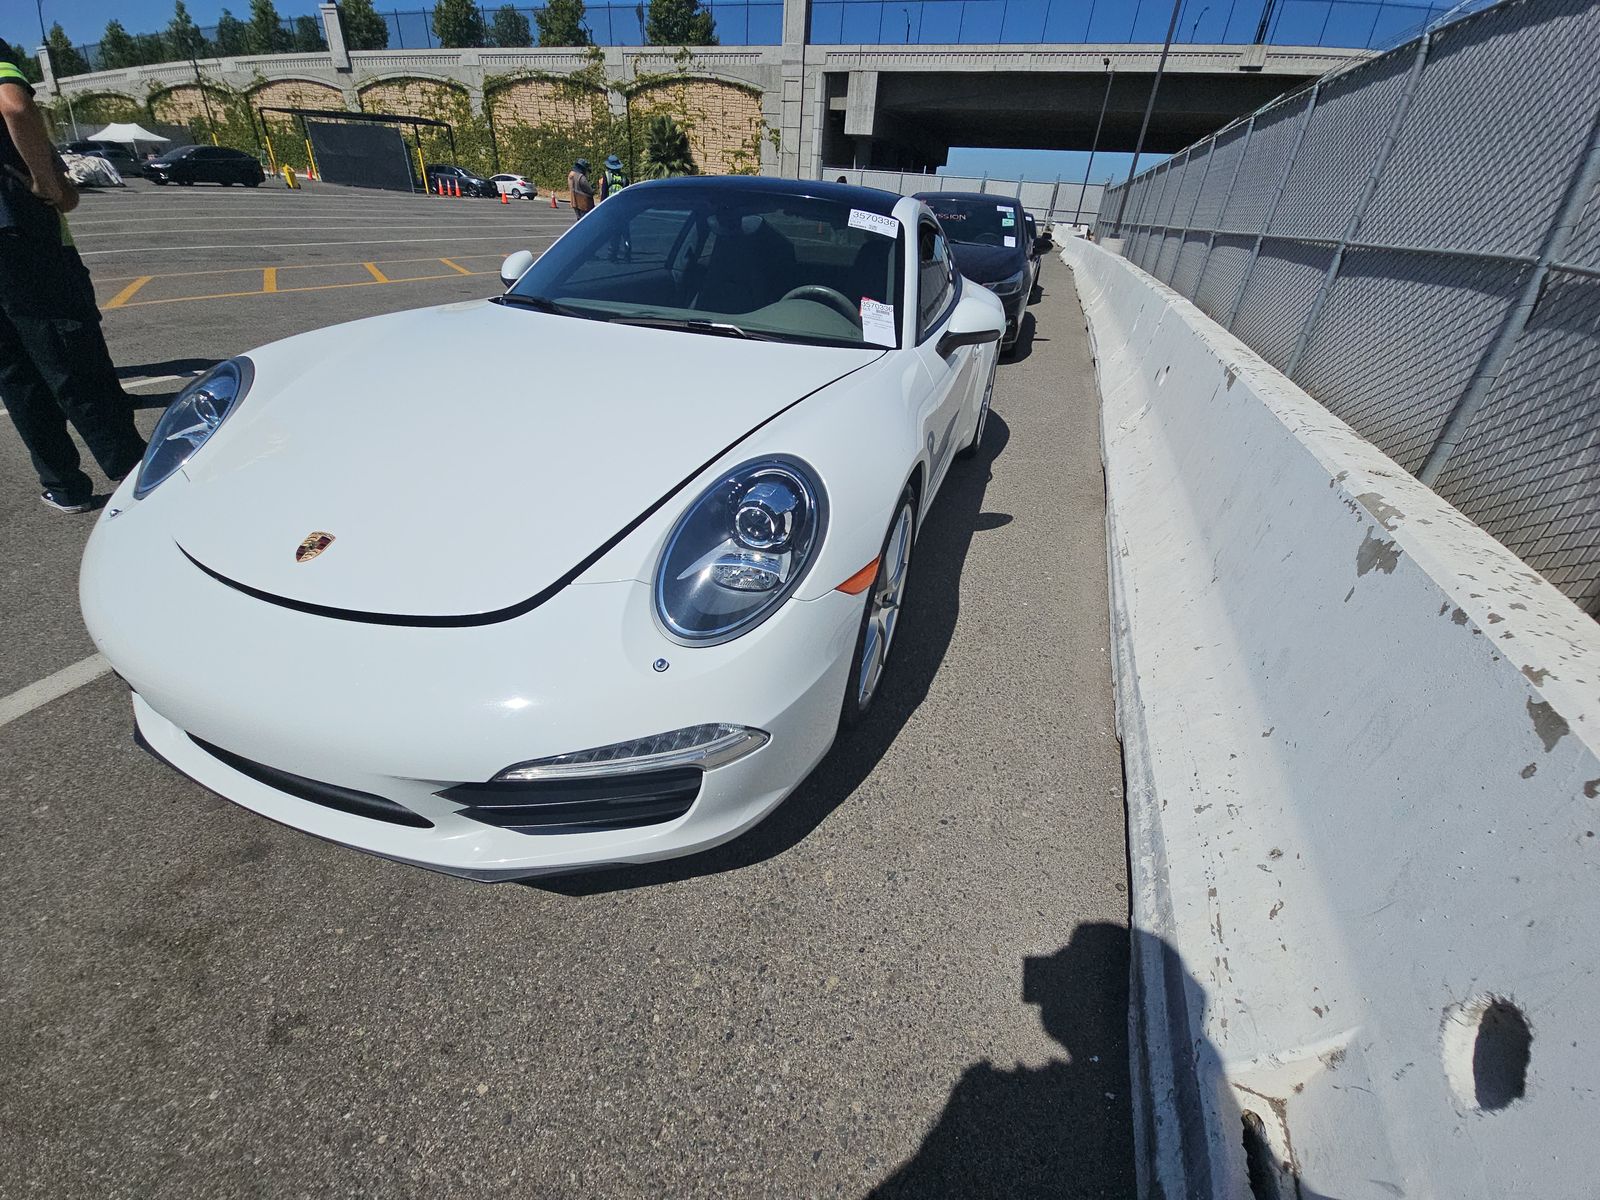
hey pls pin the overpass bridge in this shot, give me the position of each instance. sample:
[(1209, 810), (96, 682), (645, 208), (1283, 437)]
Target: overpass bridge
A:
[(790, 107)]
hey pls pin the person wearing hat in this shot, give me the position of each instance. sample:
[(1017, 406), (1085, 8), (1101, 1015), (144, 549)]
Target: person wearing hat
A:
[(581, 189), (612, 180)]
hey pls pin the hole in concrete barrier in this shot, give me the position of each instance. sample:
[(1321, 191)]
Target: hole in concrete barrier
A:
[(1260, 1167), (1487, 1047)]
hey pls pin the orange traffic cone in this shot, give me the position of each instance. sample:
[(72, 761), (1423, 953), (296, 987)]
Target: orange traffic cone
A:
[(553, 203), (505, 198), (456, 184)]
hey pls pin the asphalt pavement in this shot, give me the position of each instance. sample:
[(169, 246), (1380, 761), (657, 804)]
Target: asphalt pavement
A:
[(910, 981)]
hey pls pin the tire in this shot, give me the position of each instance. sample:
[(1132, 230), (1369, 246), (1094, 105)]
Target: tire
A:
[(252, 183), (159, 181), (880, 614), (970, 450), (186, 182), (225, 182)]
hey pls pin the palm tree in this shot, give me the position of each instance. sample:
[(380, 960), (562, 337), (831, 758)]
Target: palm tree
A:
[(666, 150)]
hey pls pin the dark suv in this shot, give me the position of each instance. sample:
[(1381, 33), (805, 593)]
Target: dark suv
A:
[(117, 155), (994, 242), (205, 164), (454, 177)]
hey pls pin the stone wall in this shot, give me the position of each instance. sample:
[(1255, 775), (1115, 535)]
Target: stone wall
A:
[(297, 93), (545, 102), (723, 120)]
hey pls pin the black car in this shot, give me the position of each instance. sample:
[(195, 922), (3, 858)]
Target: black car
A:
[(454, 177), (205, 164), (993, 243), (117, 155)]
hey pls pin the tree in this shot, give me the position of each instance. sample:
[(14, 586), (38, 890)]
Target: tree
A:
[(666, 150), (308, 34), (561, 24), (267, 34), (510, 28), (183, 35), (65, 58), (458, 23), (364, 29), (117, 48), (152, 48), (24, 61), (679, 23), (233, 35)]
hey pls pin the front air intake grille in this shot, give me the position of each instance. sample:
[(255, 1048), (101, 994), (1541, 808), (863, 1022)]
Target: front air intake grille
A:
[(342, 799), (581, 805)]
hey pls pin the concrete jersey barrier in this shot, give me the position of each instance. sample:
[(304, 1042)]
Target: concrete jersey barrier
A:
[(1363, 754)]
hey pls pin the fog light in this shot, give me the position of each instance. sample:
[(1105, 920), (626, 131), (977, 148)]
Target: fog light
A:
[(705, 746)]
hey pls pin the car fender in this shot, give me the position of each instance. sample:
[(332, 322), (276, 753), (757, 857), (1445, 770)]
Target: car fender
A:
[(859, 435)]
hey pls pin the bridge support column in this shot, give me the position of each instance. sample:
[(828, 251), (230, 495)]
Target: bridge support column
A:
[(795, 139)]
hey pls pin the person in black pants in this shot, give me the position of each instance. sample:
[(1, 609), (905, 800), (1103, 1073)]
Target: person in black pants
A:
[(54, 365)]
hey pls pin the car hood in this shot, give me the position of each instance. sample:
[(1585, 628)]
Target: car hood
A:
[(986, 264), (467, 459)]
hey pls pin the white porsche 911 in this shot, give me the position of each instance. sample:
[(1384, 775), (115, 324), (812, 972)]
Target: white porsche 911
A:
[(615, 618)]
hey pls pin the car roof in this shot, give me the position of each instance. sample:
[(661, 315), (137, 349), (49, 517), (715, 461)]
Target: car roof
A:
[(869, 199), (982, 197)]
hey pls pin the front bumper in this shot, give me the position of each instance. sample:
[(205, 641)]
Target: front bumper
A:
[(404, 714)]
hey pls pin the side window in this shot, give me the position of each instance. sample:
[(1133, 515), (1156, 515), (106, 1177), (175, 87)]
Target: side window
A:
[(936, 278)]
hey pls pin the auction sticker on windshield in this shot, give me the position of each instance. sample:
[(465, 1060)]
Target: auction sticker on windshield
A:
[(877, 322), (876, 222)]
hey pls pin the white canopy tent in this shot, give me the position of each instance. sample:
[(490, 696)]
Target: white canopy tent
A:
[(125, 134)]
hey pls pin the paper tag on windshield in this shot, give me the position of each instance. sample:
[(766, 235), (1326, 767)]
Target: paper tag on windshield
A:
[(877, 322), (876, 222), (1011, 242)]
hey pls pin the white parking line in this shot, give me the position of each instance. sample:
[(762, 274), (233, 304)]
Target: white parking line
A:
[(51, 687), (152, 380)]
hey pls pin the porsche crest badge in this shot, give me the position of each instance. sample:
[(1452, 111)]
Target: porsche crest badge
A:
[(313, 545)]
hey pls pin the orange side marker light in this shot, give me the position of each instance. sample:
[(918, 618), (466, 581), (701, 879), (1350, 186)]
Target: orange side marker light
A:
[(861, 580)]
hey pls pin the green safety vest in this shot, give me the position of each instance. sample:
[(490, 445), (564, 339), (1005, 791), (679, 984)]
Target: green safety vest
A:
[(615, 181), (10, 71)]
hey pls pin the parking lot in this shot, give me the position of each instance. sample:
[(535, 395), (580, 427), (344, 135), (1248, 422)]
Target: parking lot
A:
[(909, 981)]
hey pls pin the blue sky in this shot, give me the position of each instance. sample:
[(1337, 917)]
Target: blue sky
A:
[(1341, 22)]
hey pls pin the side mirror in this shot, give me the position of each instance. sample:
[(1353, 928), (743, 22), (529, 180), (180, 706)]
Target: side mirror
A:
[(515, 264), (1043, 244), (978, 319)]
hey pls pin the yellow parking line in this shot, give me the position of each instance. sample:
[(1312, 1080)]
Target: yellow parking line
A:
[(378, 275), (305, 266), (455, 266), (269, 279), (127, 293), (317, 287)]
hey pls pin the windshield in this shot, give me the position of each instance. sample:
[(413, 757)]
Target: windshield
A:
[(724, 260), (977, 222)]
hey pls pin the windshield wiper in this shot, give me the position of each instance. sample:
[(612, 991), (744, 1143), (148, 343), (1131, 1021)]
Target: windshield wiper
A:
[(696, 325), (541, 304)]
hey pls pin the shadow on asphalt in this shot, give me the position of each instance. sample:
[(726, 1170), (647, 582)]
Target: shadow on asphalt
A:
[(927, 624), (1027, 333), (1061, 1129)]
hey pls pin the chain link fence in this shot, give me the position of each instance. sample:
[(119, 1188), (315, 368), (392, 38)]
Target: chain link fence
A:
[(1416, 242), (1071, 202)]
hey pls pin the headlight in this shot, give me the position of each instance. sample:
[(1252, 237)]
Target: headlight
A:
[(1010, 284), (739, 551), (190, 420)]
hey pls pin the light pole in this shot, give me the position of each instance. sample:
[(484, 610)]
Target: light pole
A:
[(1197, 21), (211, 121), (1149, 107), (1095, 145)]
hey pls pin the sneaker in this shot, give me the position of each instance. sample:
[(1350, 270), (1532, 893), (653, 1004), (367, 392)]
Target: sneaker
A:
[(60, 502)]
